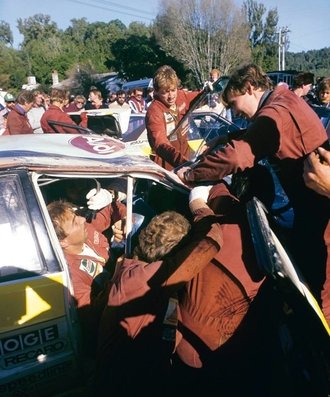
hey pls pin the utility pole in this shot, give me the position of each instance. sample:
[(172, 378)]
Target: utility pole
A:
[(282, 45)]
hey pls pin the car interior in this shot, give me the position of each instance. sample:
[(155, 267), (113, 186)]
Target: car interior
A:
[(149, 198), (106, 124)]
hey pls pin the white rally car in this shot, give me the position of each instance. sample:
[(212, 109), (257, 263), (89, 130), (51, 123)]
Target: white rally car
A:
[(39, 330), (40, 342)]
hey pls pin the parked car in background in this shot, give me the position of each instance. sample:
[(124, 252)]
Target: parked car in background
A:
[(282, 76), (142, 83)]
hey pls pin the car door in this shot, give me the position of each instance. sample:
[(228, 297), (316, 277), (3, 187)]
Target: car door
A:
[(39, 335)]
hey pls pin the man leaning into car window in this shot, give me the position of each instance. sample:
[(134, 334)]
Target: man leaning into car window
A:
[(86, 250)]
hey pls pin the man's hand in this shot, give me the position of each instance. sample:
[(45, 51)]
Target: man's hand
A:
[(118, 230), (317, 172), (98, 200), (180, 173)]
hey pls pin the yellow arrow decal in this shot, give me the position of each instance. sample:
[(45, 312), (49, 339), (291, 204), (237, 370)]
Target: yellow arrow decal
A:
[(34, 305)]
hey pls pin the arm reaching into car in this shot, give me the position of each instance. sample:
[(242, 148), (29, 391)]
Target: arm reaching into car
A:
[(317, 172)]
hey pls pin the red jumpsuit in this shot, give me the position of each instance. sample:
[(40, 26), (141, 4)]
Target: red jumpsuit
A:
[(130, 340), (160, 122), (84, 268), (284, 129)]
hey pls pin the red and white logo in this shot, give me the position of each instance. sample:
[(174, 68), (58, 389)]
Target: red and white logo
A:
[(101, 145)]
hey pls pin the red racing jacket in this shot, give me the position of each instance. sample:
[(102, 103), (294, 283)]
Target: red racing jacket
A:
[(285, 129), (169, 152), (83, 269), (54, 113), (131, 328)]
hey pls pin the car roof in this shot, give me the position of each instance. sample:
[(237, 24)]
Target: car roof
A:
[(81, 153), (143, 83)]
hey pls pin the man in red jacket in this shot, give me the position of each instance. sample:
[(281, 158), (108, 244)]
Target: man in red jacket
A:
[(86, 250), (58, 99), (138, 326), (284, 129), (17, 120), (163, 115)]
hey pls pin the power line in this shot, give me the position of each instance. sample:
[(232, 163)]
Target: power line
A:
[(116, 11), (124, 7)]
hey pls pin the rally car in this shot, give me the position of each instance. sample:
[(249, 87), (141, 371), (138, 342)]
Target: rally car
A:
[(40, 339), (40, 343)]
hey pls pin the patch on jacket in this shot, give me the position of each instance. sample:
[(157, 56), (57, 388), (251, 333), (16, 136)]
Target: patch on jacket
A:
[(89, 267), (96, 238)]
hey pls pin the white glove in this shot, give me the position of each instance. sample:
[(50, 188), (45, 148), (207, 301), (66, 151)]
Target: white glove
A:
[(200, 192), (121, 196), (98, 200)]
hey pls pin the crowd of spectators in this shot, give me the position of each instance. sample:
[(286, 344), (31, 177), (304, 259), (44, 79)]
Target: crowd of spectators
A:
[(62, 107)]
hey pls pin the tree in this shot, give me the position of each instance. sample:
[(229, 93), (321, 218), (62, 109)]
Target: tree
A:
[(315, 61), (13, 70), (6, 35), (137, 57), (203, 34), (98, 41), (263, 33), (37, 27)]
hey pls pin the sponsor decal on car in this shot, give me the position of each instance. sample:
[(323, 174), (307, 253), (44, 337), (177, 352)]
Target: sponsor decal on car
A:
[(33, 382), (30, 346), (97, 144)]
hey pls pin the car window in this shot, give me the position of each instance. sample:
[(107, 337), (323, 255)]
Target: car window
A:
[(17, 246), (208, 126), (136, 123)]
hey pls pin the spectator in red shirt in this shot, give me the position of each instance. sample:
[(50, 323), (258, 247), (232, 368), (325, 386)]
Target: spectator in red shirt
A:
[(77, 105), (58, 99), (17, 120)]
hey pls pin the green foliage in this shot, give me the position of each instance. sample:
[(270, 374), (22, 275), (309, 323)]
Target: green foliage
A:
[(263, 33), (37, 27), (11, 60), (6, 35), (138, 57), (83, 79), (315, 61), (85, 49)]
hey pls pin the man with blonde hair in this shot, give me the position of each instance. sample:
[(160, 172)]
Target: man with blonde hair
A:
[(163, 115)]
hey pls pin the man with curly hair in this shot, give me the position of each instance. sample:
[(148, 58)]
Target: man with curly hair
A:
[(138, 327)]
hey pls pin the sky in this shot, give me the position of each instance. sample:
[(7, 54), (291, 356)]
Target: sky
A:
[(307, 21)]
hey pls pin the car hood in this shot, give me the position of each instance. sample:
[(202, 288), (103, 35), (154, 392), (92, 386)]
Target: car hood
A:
[(78, 153)]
